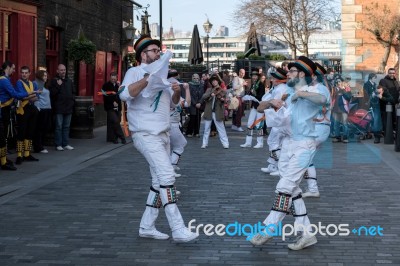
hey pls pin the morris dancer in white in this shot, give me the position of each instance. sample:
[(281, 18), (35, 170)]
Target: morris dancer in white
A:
[(274, 139), (256, 119), (149, 98), (322, 127), (298, 150), (178, 141)]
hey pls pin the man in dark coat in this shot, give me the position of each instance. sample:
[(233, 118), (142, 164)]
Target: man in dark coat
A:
[(62, 102), (392, 88), (112, 105)]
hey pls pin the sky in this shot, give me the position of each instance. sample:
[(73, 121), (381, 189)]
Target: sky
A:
[(186, 13)]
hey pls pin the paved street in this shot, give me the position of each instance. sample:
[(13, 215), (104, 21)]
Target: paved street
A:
[(87, 209)]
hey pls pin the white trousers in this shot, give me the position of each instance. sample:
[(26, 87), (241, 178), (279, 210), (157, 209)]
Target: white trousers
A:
[(220, 128), (254, 116), (178, 143), (156, 150), (274, 142), (296, 156), (323, 132)]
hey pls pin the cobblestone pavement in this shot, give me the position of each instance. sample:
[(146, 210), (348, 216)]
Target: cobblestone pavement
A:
[(90, 216)]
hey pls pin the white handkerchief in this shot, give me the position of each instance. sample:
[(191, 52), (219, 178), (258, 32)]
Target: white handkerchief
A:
[(158, 71), (249, 98)]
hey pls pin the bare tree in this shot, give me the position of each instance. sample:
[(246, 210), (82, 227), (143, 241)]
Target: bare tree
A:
[(290, 21), (384, 24)]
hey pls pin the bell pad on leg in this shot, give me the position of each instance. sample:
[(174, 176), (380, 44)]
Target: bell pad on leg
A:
[(293, 208), (168, 195), (281, 203), (154, 199)]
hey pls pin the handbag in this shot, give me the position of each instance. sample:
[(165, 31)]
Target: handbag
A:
[(234, 103)]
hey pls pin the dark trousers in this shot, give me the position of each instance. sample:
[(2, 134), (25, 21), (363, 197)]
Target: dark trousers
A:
[(114, 130), (43, 126), (238, 114), (27, 122), (194, 124)]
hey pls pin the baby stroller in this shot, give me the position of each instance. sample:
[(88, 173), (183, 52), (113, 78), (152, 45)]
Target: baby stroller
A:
[(359, 122)]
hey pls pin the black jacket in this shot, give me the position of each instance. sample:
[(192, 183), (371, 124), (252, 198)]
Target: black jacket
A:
[(393, 87), (109, 99), (62, 96)]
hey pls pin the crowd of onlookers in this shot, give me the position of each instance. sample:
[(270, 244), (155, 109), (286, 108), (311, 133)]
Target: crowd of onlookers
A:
[(31, 109)]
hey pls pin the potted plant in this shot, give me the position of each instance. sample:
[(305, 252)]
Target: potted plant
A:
[(82, 49)]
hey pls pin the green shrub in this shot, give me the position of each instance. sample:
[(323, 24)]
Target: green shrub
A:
[(82, 49)]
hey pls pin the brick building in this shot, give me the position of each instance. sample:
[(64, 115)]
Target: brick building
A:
[(361, 52), (36, 33)]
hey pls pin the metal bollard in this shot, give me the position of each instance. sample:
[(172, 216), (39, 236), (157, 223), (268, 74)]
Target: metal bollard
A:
[(389, 125), (397, 143)]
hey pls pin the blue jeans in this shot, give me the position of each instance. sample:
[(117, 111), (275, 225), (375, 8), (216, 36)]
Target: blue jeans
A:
[(61, 134), (340, 120)]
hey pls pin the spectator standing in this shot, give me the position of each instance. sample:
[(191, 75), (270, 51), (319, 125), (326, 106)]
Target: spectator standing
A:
[(341, 97), (196, 92), (43, 104), (112, 105), (62, 102), (239, 86), (392, 87), (27, 114)]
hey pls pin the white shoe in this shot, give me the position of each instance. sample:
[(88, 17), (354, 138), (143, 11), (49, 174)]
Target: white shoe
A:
[(203, 146), (258, 146), (240, 129), (303, 242), (44, 151), (68, 147), (226, 146), (275, 173), (176, 168), (245, 145), (260, 239), (59, 148), (152, 233), (269, 169), (309, 194), (183, 235), (177, 175), (234, 127)]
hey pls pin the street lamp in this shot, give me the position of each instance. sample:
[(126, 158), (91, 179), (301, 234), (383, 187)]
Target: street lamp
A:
[(129, 32), (207, 28)]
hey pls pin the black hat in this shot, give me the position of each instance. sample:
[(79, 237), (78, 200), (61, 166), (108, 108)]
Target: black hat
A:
[(142, 43), (304, 64), (279, 73), (215, 77), (320, 69)]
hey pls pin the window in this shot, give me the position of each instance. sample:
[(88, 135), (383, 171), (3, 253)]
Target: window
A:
[(231, 44), (216, 45), (51, 40)]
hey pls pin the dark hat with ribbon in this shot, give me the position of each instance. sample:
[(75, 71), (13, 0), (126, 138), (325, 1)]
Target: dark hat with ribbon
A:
[(320, 71), (215, 77), (142, 43), (304, 64), (279, 73)]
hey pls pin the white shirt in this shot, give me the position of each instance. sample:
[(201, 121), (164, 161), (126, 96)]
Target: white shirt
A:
[(144, 115), (176, 110)]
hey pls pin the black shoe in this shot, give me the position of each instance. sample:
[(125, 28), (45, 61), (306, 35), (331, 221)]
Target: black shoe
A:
[(377, 140), (115, 141), (9, 162), (123, 140), (8, 167), (30, 158), (19, 160)]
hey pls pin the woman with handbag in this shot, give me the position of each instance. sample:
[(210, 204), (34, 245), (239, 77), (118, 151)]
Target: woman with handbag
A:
[(214, 99)]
